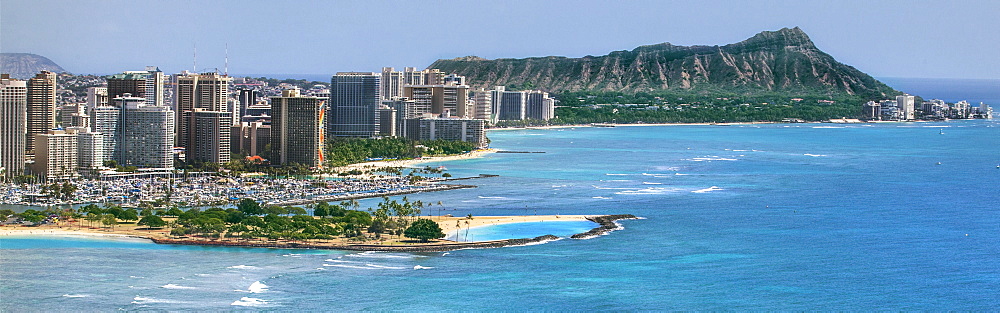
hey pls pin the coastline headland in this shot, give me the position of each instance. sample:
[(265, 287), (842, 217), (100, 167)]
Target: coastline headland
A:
[(607, 223)]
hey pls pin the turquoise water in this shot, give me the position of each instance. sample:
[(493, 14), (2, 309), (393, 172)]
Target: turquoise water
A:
[(522, 230), (753, 217)]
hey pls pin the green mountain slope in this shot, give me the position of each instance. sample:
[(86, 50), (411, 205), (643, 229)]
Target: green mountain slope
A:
[(772, 61)]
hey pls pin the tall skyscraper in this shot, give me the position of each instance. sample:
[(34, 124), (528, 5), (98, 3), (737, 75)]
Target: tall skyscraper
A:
[(354, 98), (203, 98), (105, 120), (13, 125), (41, 106), (512, 106), (90, 149), (496, 100), (247, 97), (451, 100), (483, 104), (208, 138), (97, 96), (74, 115), (56, 155), (906, 105), (297, 130), (539, 106), (146, 84), (392, 83), (147, 141)]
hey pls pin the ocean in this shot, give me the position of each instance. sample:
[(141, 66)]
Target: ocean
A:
[(893, 216)]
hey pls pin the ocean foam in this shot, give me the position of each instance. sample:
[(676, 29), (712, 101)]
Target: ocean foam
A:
[(651, 183), (613, 174), (172, 286), (75, 296), (711, 158), (495, 198), (648, 191), (145, 300), (418, 267), (599, 197), (709, 189), (379, 255), (383, 266), (244, 267), (247, 301), (815, 155), (257, 287)]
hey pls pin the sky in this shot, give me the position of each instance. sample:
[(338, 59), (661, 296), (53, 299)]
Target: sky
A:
[(930, 39)]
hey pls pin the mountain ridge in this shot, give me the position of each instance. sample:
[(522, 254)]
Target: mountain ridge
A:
[(26, 65), (785, 60)]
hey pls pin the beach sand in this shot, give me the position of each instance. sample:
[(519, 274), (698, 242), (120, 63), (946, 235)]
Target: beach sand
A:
[(448, 224), (413, 162)]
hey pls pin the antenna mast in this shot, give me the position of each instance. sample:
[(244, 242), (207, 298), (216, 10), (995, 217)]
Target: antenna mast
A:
[(226, 69), (195, 69)]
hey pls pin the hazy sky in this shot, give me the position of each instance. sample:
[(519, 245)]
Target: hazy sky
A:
[(939, 39)]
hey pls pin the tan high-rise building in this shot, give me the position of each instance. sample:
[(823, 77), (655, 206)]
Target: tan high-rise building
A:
[(450, 100), (56, 156), (13, 127), (208, 94), (41, 106)]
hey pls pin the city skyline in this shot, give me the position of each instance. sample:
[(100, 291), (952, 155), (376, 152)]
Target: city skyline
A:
[(939, 40)]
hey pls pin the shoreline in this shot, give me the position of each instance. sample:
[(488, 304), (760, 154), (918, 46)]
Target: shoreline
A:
[(475, 154), (606, 224)]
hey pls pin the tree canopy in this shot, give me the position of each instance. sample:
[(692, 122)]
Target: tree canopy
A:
[(424, 229)]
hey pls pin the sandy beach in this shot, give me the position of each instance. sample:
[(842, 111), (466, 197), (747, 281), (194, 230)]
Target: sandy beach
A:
[(450, 224), (413, 162)]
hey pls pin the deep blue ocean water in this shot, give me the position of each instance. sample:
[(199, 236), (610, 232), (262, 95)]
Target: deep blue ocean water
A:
[(752, 217)]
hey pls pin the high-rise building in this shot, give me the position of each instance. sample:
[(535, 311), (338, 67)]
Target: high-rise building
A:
[(297, 129), (454, 129), (482, 104), (208, 94), (354, 97), (403, 109), (513, 106), (539, 106), (13, 127), (392, 83), (74, 115), (453, 79), (147, 140), (450, 100), (41, 106), (90, 149), (496, 100), (252, 138), (146, 84), (97, 96), (386, 121), (247, 98), (56, 156), (106, 122), (906, 103), (208, 138)]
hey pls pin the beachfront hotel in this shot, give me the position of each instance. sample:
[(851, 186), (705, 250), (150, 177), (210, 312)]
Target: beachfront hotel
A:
[(41, 106), (354, 98), (13, 108), (56, 156), (202, 117), (297, 129)]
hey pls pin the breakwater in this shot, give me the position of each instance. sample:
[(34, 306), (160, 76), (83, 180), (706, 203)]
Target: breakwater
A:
[(607, 224)]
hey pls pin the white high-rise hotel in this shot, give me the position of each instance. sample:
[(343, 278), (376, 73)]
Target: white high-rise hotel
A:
[(13, 125)]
